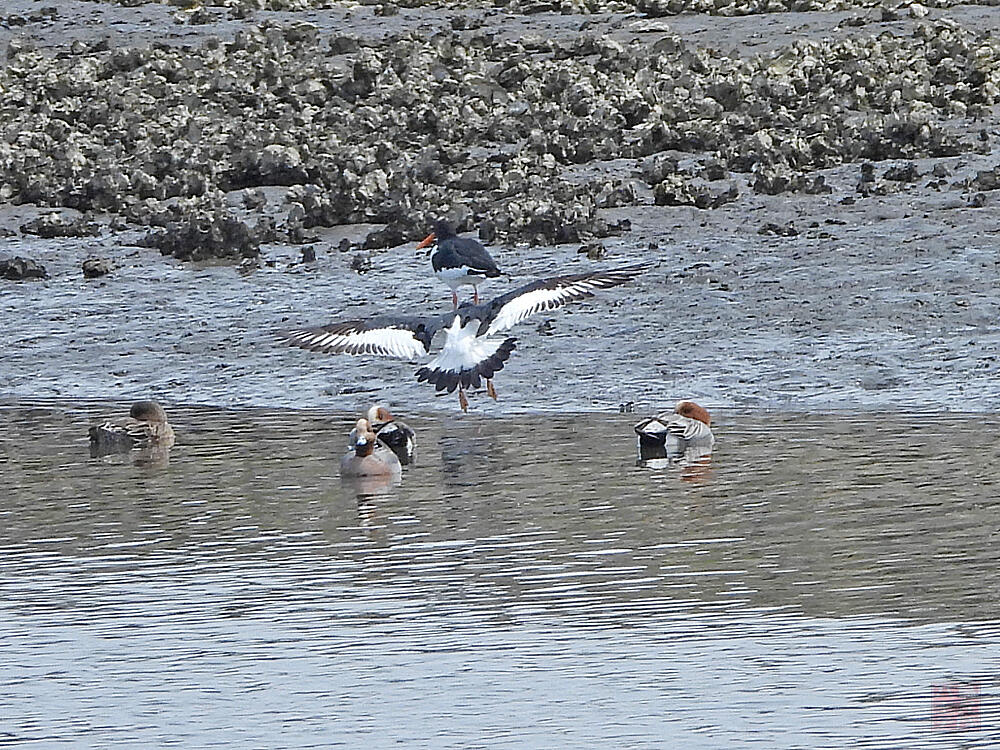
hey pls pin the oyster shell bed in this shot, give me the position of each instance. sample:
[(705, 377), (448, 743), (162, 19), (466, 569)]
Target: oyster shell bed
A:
[(653, 8), (401, 128)]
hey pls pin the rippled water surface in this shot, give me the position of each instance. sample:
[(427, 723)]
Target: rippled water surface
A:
[(828, 582)]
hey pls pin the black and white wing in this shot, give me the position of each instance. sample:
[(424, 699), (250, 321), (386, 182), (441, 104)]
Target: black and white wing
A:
[(405, 338), (508, 310)]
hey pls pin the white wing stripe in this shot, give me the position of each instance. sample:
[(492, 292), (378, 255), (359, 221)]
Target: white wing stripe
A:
[(528, 304), (389, 341), (568, 291)]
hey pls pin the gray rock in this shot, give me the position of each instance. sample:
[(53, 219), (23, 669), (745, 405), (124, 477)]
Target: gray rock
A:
[(96, 267), (361, 263), (18, 268), (55, 225)]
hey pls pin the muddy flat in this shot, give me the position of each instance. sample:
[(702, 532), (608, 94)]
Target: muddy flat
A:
[(880, 292)]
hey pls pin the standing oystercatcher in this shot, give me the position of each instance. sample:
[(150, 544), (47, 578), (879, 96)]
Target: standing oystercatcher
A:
[(470, 353), (458, 261)]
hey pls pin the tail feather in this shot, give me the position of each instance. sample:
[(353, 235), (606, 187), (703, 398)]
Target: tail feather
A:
[(469, 377)]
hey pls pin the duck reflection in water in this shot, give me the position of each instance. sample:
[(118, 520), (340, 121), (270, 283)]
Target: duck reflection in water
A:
[(369, 490), (477, 459), (146, 431), (681, 438)]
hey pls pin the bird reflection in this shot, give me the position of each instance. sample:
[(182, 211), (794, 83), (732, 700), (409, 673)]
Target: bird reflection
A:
[(370, 493), (371, 488), (956, 706), (152, 456), (472, 460)]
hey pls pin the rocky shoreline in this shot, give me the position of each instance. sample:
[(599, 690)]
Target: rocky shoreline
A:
[(399, 129)]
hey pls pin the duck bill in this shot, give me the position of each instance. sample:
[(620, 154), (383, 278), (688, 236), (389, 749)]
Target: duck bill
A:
[(426, 241)]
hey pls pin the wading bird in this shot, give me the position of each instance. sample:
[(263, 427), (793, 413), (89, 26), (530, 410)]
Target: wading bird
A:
[(458, 261), (471, 352)]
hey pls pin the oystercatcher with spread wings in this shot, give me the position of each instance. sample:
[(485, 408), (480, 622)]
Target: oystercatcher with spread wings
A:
[(471, 352)]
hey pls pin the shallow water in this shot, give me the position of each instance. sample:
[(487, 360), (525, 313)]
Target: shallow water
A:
[(827, 582)]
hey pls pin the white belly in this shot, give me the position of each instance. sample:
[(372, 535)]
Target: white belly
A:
[(456, 277), (462, 349)]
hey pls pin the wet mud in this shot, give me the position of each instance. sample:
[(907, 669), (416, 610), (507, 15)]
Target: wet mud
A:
[(816, 189)]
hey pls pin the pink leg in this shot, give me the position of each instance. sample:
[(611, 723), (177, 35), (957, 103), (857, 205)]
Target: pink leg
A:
[(454, 300), (475, 294)]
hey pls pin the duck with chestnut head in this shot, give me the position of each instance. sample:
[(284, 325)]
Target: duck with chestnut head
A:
[(145, 428), (366, 457), (681, 436)]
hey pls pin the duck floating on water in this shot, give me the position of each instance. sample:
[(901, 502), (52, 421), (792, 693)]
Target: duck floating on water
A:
[(458, 261), (681, 436), (394, 435), (471, 353), (366, 457), (146, 428)]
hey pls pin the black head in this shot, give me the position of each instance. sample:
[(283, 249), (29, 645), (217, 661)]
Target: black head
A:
[(424, 335), (443, 230)]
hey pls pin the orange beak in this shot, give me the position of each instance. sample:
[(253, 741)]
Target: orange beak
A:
[(426, 241)]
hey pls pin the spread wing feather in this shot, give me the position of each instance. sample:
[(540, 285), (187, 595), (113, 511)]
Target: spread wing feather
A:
[(405, 338), (508, 310)]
